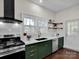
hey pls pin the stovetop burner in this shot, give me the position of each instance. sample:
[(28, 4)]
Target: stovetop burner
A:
[(10, 42)]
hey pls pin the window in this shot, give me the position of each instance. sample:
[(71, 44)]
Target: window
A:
[(72, 27), (28, 21)]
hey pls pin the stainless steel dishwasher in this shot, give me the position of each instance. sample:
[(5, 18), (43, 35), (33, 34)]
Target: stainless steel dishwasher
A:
[(55, 45)]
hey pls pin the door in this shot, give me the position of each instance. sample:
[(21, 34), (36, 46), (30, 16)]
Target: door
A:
[(72, 34)]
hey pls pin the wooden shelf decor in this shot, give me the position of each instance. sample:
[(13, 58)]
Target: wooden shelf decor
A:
[(54, 25)]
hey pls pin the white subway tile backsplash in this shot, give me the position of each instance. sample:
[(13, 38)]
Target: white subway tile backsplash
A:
[(9, 29)]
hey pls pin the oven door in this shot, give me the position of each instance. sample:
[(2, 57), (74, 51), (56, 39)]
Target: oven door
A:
[(18, 55)]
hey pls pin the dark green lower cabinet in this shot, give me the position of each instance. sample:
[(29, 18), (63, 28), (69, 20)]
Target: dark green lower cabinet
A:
[(45, 49), (60, 42), (49, 47), (32, 56), (31, 52), (39, 51)]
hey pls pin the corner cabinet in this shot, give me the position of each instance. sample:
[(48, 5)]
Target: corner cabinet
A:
[(39, 50), (60, 42)]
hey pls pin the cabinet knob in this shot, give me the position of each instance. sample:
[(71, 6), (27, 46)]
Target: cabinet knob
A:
[(32, 46), (32, 55), (32, 50)]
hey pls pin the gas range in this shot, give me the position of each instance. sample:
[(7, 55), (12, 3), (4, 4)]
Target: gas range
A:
[(10, 42), (10, 45), (12, 50)]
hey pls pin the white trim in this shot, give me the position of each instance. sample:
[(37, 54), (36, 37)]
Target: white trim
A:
[(71, 48)]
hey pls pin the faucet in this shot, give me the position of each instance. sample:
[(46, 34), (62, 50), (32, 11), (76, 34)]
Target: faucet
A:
[(39, 34)]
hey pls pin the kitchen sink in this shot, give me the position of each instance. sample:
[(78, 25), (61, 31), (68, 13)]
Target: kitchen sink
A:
[(41, 39)]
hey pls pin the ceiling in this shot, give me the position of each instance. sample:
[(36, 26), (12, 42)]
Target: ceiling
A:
[(57, 5)]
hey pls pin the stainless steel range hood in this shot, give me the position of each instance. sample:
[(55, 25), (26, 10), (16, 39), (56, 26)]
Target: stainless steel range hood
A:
[(9, 12), (9, 20)]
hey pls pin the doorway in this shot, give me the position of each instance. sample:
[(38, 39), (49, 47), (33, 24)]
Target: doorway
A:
[(72, 34)]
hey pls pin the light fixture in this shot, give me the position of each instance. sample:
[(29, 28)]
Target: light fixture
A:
[(1, 23), (16, 24), (41, 1)]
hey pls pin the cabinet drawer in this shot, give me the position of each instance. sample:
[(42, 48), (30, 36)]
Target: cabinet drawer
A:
[(31, 56), (31, 51), (39, 50), (44, 43), (31, 47)]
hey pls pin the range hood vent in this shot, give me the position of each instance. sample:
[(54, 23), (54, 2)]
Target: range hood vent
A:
[(9, 12), (9, 20)]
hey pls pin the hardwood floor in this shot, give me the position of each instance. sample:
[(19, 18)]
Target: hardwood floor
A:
[(64, 54)]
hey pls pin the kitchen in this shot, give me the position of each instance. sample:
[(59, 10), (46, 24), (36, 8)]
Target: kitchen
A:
[(34, 29)]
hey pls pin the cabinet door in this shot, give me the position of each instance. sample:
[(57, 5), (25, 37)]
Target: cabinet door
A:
[(32, 56), (45, 49), (41, 50), (60, 42), (49, 47)]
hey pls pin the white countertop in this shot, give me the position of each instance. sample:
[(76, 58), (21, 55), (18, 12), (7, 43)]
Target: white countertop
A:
[(22, 48), (32, 41)]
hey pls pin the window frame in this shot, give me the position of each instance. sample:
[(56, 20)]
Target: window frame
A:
[(73, 27)]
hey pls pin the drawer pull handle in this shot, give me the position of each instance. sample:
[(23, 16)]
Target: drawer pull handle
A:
[(32, 50), (32, 55), (32, 46)]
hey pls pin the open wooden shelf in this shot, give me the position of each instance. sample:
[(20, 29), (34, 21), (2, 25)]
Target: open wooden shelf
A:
[(55, 28), (55, 25)]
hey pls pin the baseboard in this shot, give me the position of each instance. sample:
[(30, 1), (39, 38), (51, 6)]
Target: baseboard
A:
[(73, 49)]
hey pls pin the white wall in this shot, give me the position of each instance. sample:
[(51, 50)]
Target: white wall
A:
[(69, 14), (29, 8), (1, 8), (25, 6), (9, 29)]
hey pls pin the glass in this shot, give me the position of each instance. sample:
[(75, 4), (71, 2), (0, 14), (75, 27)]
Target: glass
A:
[(28, 21)]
